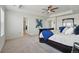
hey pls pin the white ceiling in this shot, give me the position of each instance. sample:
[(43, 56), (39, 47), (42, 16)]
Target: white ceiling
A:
[(37, 9)]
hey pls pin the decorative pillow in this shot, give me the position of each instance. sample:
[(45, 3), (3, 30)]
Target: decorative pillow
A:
[(41, 35), (61, 29), (76, 30), (64, 30), (46, 34), (69, 31)]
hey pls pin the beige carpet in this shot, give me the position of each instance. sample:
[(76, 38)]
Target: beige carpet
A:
[(27, 44)]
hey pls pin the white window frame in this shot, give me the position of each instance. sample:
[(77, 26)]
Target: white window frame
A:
[(1, 22)]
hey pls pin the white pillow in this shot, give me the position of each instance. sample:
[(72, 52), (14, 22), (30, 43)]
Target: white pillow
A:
[(69, 31), (41, 35), (65, 30)]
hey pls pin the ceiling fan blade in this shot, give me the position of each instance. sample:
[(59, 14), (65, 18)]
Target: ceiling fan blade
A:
[(52, 11), (20, 6), (54, 8), (50, 6)]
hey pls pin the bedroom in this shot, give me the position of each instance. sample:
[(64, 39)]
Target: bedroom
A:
[(24, 22)]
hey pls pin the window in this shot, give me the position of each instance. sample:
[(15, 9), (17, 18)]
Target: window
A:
[(68, 22), (1, 22)]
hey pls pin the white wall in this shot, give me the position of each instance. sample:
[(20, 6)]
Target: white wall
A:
[(75, 16), (58, 20), (14, 24), (2, 38), (51, 21), (32, 25)]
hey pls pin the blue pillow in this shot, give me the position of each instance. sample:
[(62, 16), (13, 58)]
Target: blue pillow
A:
[(61, 29), (47, 34), (76, 30)]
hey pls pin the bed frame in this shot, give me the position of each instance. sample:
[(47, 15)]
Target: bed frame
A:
[(57, 45)]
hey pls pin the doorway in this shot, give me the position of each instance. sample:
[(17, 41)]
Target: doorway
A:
[(25, 23)]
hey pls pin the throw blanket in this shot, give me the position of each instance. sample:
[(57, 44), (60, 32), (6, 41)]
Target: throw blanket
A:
[(46, 34)]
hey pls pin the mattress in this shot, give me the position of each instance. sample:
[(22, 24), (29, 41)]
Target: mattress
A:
[(65, 39)]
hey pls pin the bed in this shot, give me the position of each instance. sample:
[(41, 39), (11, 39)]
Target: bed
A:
[(62, 42)]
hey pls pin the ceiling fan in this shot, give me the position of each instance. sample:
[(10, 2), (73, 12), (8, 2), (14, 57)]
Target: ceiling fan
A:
[(50, 9)]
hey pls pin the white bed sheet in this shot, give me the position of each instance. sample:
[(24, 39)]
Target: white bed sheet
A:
[(65, 39)]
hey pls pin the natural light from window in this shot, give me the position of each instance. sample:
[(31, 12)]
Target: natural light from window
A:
[(1, 22)]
